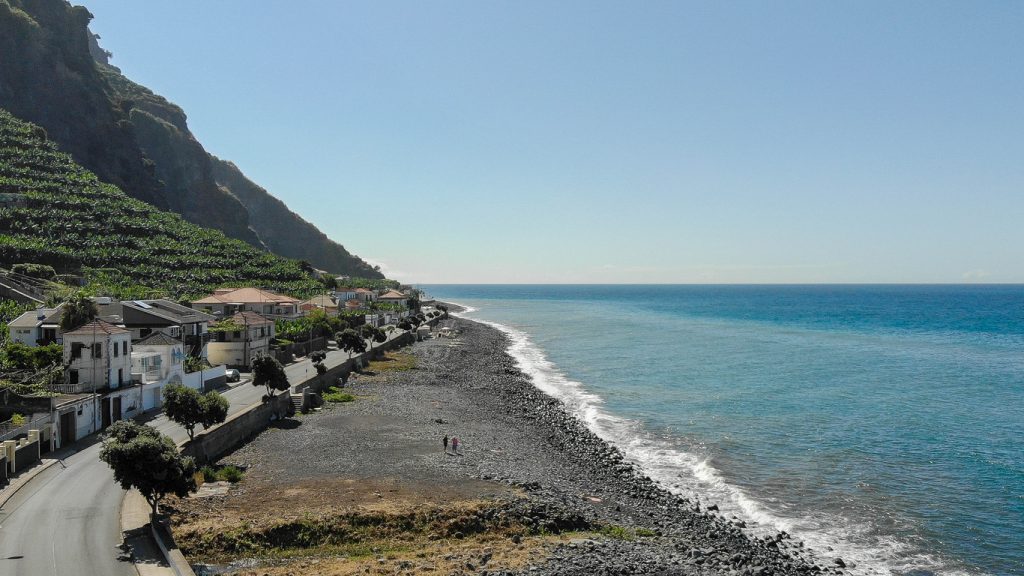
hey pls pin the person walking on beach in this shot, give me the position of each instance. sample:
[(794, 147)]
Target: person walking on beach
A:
[(445, 441), (455, 445)]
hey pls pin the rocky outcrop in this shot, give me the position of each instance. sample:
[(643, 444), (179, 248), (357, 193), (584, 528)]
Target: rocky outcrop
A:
[(54, 73)]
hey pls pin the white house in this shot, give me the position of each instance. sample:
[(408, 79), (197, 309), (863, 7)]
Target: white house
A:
[(35, 327), (157, 360), (97, 356), (239, 347)]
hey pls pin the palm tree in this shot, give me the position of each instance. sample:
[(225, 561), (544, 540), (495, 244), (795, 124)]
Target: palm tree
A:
[(79, 309)]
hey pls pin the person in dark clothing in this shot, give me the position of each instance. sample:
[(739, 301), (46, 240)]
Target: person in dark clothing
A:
[(445, 441)]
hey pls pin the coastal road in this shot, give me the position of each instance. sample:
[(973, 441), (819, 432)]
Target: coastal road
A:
[(66, 521)]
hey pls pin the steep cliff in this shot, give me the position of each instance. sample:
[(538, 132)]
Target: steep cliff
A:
[(284, 231), (54, 74)]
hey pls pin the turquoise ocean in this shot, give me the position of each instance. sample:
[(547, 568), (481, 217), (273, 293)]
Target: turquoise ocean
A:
[(882, 424)]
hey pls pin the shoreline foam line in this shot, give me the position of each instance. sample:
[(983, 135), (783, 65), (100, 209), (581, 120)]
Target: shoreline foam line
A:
[(694, 477)]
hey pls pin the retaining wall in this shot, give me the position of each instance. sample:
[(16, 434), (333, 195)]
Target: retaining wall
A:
[(210, 445)]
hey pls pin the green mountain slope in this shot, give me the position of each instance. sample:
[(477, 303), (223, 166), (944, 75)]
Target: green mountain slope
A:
[(54, 212), (53, 73)]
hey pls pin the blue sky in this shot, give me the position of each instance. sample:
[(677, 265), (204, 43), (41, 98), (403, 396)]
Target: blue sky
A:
[(614, 141)]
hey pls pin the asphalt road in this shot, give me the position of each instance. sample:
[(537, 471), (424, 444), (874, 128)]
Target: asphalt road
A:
[(66, 521)]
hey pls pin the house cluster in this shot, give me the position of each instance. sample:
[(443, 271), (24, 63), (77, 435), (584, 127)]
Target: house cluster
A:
[(117, 365)]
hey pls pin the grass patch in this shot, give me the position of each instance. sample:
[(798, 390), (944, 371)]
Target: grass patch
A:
[(393, 362), (334, 394)]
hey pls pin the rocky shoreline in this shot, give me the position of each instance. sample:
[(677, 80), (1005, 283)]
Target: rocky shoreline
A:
[(688, 540), (520, 447)]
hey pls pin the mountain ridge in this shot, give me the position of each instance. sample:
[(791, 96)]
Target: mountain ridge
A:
[(55, 74)]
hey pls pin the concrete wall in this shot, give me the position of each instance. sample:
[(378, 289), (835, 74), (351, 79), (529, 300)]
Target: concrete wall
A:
[(206, 380), (210, 445), (26, 456)]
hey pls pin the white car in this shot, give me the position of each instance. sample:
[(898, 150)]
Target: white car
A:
[(232, 375)]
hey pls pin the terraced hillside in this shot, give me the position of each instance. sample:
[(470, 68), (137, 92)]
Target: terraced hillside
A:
[(53, 211)]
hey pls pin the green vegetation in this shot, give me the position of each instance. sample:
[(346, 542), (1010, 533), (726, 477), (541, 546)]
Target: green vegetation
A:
[(187, 407), (393, 362), (317, 324), (267, 371), (78, 310), (229, 473), (148, 461), (69, 220), (369, 283), (350, 341), (335, 395), (40, 271), (17, 356)]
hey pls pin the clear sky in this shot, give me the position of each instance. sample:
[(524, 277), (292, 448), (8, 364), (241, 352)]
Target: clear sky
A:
[(547, 141)]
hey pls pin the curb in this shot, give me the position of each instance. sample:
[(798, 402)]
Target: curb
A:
[(7, 493)]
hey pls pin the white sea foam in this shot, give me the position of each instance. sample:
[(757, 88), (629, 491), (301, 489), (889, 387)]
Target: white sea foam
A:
[(692, 475)]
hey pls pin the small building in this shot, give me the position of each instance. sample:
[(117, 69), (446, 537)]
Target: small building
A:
[(366, 295), (157, 360), (354, 304), (393, 297), (37, 327), (324, 302), (226, 301), (246, 338), (344, 294), (145, 317)]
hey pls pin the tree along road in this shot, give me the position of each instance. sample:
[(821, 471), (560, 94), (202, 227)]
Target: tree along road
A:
[(66, 521)]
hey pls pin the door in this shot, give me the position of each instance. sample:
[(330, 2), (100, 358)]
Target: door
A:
[(117, 409), (105, 410), (68, 423)]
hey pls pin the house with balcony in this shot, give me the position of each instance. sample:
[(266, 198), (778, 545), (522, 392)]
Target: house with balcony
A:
[(144, 317), (97, 357), (240, 339), (227, 301), (36, 327), (157, 360)]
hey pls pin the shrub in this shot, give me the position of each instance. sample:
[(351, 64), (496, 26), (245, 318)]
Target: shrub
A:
[(333, 394), (209, 474), (231, 474)]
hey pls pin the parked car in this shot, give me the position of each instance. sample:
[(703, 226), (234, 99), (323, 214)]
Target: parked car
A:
[(232, 375)]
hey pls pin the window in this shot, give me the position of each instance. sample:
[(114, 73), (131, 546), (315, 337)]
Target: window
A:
[(120, 376), (76, 350), (97, 350), (236, 334), (73, 376), (124, 347), (268, 309), (115, 350)]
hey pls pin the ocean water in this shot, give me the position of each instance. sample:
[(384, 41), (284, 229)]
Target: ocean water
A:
[(880, 424)]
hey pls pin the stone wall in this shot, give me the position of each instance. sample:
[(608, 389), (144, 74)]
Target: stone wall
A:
[(210, 445)]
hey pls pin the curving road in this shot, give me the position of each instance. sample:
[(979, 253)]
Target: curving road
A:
[(66, 520)]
